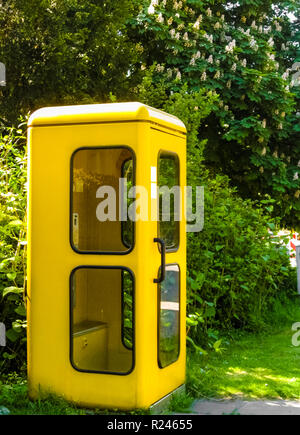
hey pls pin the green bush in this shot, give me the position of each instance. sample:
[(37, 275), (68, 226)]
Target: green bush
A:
[(237, 268), (13, 245)]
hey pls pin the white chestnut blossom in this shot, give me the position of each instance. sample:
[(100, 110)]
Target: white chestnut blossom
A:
[(285, 75), (253, 44), (264, 151), (210, 59), (203, 76), (296, 176), (277, 26), (160, 18), (196, 25), (230, 47), (151, 9), (178, 76)]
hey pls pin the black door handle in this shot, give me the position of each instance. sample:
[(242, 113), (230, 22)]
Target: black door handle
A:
[(163, 260)]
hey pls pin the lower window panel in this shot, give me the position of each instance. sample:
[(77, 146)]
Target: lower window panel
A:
[(102, 319), (169, 316)]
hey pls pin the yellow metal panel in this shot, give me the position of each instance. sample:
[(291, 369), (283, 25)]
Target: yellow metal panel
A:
[(115, 112), (51, 259)]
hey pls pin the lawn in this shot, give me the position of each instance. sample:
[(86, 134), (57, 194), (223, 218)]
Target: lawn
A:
[(264, 365)]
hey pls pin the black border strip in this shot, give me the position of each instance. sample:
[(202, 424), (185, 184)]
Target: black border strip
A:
[(71, 320), (71, 201), (179, 318)]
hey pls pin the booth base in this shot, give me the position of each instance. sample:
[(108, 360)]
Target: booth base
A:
[(161, 405)]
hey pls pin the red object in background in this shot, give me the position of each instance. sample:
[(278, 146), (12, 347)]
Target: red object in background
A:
[(293, 246)]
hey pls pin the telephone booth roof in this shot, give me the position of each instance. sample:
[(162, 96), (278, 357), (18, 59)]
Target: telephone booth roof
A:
[(98, 113)]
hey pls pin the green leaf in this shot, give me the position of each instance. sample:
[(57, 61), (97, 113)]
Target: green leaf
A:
[(9, 290), (11, 276), (21, 310), (12, 335), (15, 223)]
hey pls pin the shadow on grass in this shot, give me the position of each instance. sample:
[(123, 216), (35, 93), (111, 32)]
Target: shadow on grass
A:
[(253, 366)]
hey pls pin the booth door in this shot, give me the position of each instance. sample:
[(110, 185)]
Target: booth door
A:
[(168, 239), (101, 297)]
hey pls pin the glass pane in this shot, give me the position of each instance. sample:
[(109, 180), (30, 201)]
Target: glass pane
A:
[(127, 309), (169, 199), (102, 319), (127, 225), (99, 198), (169, 324)]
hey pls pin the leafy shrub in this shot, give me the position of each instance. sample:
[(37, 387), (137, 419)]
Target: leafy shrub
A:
[(12, 245), (237, 268)]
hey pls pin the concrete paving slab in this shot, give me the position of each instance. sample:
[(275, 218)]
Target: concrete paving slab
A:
[(246, 407)]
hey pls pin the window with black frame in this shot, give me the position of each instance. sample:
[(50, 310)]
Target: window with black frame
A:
[(169, 199), (102, 319), (100, 179), (169, 316)]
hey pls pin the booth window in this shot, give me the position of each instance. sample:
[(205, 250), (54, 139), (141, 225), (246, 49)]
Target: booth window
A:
[(100, 180), (102, 319), (169, 199), (169, 316)]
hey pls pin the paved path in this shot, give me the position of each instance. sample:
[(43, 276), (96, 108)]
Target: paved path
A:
[(246, 407)]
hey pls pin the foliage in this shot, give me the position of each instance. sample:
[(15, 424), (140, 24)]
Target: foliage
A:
[(236, 269), (13, 178), (244, 52), (64, 52)]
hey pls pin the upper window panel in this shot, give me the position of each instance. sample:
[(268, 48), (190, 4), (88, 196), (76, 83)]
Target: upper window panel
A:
[(169, 199), (100, 179)]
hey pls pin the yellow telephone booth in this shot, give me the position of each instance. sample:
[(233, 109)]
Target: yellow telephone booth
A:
[(106, 269)]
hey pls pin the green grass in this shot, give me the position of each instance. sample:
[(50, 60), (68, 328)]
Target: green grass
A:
[(256, 366), (264, 365), (14, 398)]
